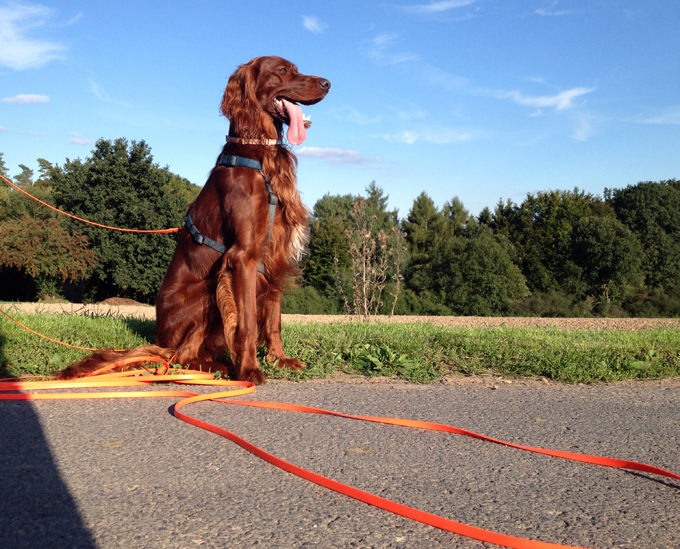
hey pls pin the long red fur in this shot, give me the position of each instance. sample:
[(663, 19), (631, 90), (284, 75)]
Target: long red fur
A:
[(210, 303)]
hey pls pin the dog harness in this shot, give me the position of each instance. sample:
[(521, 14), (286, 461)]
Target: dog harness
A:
[(232, 162)]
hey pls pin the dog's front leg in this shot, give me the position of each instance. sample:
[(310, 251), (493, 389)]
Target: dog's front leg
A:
[(236, 300), (272, 329)]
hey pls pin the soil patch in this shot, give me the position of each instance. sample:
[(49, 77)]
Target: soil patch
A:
[(624, 324), (120, 301), (117, 306)]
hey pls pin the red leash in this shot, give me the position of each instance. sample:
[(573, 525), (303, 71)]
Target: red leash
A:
[(132, 378)]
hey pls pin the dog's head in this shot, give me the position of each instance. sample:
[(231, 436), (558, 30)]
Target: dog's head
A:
[(266, 93)]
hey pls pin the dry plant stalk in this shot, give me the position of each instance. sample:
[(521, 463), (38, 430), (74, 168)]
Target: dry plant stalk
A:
[(370, 262)]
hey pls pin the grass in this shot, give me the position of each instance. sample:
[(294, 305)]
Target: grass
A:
[(418, 353)]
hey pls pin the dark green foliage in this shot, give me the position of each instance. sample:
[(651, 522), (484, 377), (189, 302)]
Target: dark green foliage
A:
[(3, 166), (327, 244), (120, 186), (376, 205), (577, 254), (25, 177), (651, 211), (333, 207), (329, 262), (45, 251), (474, 274), (552, 305), (423, 227), (654, 303), (605, 260), (541, 230), (44, 168), (307, 301), (412, 303)]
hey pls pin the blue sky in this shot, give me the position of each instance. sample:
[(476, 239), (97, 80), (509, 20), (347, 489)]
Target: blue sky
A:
[(480, 99)]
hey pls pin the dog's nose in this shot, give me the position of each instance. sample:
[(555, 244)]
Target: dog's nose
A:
[(324, 84)]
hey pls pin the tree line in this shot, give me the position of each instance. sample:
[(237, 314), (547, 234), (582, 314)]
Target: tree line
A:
[(557, 253)]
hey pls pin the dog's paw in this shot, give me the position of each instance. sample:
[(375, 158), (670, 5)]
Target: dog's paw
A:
[(254, 376), (290, 363)]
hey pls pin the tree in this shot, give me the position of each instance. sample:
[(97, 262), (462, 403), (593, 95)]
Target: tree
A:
[(423, 227), (474, 274), (605, 260), (328, 253), (485, 217), (45, 251), (3, 167), (541, 231), (25, 177), (333, 206), (651, 210), (120, 186), (330, 219), (456, 215), (376, 205), (44, 168)]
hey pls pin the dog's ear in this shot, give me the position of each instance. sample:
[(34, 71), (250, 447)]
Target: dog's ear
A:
[(239, 103)]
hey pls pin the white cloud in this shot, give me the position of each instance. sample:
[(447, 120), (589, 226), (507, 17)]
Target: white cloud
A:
[(313, 24), (670, 116), (350, 114), (97, 91), (340, 156), (560, 101), (3, 129), (547, 12), (18, 51), (26, 98), (380, 50), (585, 127), (439, 7), (444, 136), (78, 139), (411, 111)]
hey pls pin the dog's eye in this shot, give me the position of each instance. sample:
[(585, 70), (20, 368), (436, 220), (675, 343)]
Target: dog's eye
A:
[(283, 70)]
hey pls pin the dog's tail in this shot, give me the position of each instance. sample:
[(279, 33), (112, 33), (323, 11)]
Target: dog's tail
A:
[(98, 361)]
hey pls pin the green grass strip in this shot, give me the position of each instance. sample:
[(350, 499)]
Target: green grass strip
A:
[(418, 353)]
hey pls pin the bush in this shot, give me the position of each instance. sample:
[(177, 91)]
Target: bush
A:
[(306, 300)]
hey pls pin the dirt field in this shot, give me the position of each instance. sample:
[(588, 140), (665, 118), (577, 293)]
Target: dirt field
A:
[(127, 308)]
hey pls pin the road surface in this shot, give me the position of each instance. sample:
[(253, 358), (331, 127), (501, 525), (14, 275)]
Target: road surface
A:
[(126, 473)]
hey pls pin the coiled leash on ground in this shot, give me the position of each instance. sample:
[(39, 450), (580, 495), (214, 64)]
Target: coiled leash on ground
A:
[(137, 378)]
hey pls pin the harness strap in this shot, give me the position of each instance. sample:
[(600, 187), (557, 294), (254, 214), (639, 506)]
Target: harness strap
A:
[(232, 161), (198, 238)]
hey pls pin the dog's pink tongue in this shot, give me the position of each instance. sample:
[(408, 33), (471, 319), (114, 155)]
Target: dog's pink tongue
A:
[(296, 133)]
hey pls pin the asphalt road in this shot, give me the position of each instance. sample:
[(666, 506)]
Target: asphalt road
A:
[(126, 473)]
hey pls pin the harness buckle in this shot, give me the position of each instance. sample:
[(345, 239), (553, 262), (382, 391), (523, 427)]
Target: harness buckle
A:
[(232, 161), (197, 237)]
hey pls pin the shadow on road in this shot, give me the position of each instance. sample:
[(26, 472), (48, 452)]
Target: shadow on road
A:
[(36, 508)]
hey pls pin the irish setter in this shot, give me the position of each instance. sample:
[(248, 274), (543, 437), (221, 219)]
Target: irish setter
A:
[(217, 299)]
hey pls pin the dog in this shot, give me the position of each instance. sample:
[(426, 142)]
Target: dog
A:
[(243, 238)]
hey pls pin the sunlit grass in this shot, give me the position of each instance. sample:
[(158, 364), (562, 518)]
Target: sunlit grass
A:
[(415, 352)]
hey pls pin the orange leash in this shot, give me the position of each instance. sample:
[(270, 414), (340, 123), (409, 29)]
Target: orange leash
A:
[(134, 379), (144, 231), (56, 340)]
